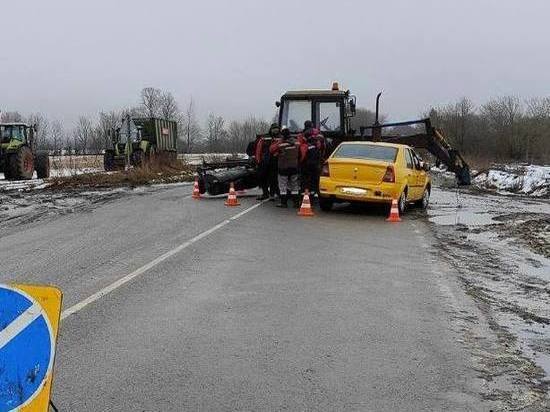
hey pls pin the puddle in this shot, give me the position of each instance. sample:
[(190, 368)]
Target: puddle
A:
[(464, 217), (534, 343)]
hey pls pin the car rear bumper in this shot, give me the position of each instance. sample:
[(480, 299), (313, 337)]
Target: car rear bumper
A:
[(358, 191)]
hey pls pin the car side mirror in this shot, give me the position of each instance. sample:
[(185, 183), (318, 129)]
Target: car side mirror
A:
[(425, 166), (278, 103)]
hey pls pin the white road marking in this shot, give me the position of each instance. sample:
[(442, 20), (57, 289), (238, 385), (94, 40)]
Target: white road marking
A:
[(115, 285), (19, 324)]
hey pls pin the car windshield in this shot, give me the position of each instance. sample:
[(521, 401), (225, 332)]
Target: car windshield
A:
[(295, 113), (366, 151)]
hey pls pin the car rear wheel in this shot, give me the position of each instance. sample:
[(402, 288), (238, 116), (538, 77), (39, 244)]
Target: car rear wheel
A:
[(325, 204)]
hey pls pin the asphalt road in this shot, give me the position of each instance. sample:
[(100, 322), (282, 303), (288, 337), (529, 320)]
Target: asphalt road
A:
[(267, 311)]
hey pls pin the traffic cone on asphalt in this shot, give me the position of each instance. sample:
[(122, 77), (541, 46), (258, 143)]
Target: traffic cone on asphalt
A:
[(196, 191), (305, 209), (394, 212), (232, 197)]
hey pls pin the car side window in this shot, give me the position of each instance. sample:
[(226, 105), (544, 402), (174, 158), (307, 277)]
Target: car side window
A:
[(416, 160), (408, 159)]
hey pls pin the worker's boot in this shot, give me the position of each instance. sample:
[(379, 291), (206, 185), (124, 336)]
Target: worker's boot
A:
[(284, 201)]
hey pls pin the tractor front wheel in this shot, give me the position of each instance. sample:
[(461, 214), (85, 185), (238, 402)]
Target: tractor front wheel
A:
[(21, 164), (138, 158)]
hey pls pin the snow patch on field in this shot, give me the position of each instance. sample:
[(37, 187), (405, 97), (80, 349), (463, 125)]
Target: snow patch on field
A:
[(529, 180)]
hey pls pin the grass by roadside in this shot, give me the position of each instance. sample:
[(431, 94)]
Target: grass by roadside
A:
[(151, 173)]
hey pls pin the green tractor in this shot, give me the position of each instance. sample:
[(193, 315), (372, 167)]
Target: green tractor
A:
[(138, 140), (18, 157)]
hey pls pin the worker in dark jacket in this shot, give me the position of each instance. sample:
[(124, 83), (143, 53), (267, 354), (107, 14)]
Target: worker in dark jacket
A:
[(266, 164), (312, 150), (287, 151)]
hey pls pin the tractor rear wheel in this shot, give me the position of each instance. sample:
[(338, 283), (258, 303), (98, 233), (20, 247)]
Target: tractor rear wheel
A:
[(42, 165), (21, 164)]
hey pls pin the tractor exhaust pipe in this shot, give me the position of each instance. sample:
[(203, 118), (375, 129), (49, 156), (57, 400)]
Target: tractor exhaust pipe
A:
[(377, 130)]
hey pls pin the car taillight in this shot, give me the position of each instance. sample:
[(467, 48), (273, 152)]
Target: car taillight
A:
[(325, 171), (389, 176)]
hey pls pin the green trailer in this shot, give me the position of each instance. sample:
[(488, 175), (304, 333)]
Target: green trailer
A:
[(18, 157), (139, 140)]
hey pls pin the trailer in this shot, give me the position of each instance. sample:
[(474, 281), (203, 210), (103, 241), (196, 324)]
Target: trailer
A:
[(139, 140)]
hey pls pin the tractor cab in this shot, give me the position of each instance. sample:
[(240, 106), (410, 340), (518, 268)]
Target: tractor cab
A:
[(329, 110), (16, 134), (126, 137)]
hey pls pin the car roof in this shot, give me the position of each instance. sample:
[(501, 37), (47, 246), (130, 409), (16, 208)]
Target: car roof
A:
[(395, 145)]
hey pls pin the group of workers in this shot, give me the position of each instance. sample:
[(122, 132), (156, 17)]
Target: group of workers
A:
[(288, 165)]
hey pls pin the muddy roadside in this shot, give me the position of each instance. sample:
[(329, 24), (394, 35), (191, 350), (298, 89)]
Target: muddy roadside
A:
[(27, 206), (500, 247)]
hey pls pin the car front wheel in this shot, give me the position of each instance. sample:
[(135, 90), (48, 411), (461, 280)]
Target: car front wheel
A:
[(423, 203), (402, 203)]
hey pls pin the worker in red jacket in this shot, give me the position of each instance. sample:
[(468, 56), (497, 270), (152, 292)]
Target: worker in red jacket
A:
[(287, 151), (312, 149), (266, 163)]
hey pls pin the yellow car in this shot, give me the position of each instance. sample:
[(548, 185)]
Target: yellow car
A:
[(374, 172)]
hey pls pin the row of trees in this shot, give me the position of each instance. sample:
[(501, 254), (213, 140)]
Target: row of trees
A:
[(92, 135), (504, 128)]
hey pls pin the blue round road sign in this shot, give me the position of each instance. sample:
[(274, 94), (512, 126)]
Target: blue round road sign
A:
[(26, 348)]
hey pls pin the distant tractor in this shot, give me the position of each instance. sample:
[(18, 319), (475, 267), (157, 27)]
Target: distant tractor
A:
[(18, 157), (139, 140)]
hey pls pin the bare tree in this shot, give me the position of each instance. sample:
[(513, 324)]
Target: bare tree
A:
[(57, 136), (150, 101), (108, 123), (537, 128), (168, 107), (42, 127), (191, 128), (83, 134), (216, 132), (365, 117), (241, 133), (8, 117)]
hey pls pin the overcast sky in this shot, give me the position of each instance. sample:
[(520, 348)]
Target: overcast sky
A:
[(236, 57)]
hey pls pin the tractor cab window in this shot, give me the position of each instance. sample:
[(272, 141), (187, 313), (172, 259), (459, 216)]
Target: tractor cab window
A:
[(18, 133), (12, 132), (328, 116), (5, 134), (295, 113)]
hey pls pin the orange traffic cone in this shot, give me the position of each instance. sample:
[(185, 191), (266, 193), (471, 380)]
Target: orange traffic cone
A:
[(394, 212), (305, 209), (232, 197), (196, 191)]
